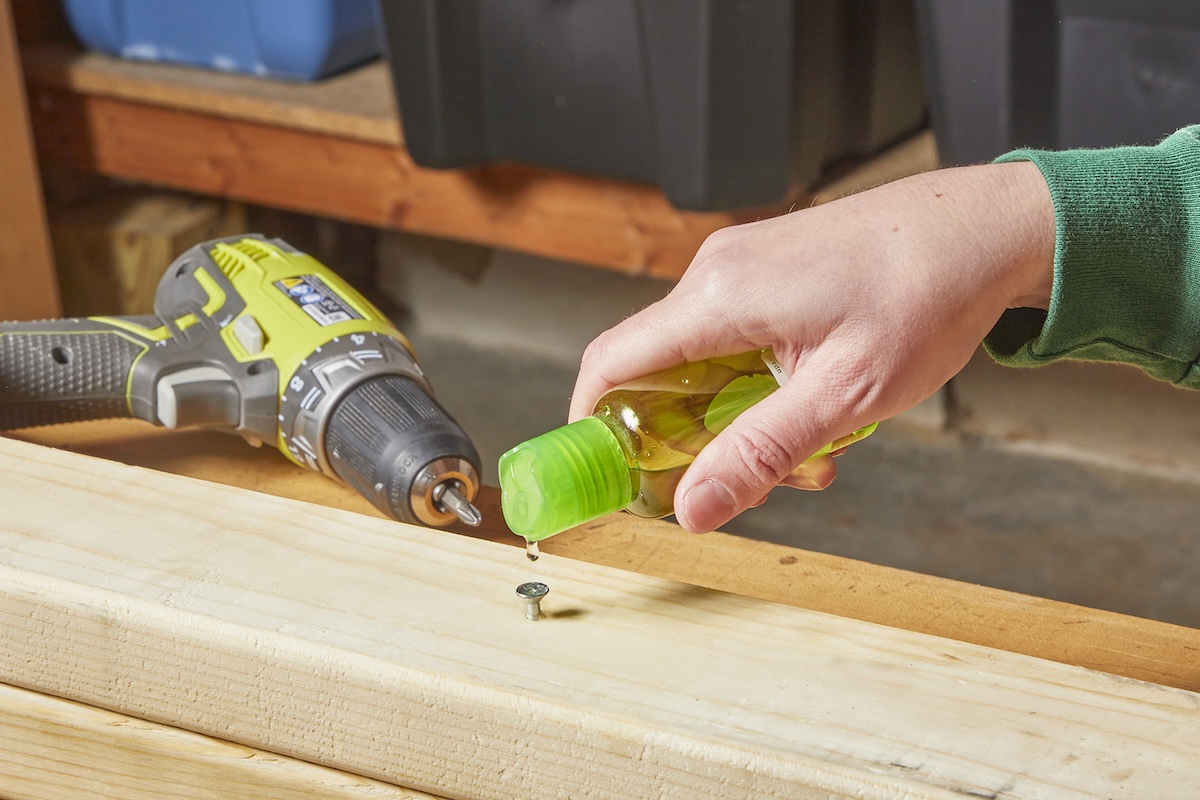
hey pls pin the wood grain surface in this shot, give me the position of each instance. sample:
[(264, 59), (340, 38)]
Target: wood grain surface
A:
[(403, 654), (57, 749), (1101, 640), (26, 263)]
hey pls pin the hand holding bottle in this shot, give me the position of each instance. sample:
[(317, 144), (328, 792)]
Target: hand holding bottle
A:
[(636, 445), (870, 303)]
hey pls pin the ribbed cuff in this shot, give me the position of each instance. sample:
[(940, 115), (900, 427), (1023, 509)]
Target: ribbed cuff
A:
[(1126, 262)]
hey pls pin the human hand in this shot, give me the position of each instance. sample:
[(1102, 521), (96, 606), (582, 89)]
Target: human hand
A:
[(871, 303)]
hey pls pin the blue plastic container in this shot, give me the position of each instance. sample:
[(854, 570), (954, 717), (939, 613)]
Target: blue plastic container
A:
[(297, 39)]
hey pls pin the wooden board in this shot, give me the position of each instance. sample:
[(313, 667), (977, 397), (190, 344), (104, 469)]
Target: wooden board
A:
[(25, 258), (1142, 649), (60, 750), (403, 654)]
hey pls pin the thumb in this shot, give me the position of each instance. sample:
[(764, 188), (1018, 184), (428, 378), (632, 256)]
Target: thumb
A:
[(758, 451)]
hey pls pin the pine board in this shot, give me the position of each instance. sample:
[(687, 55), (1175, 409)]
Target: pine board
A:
[(61, 750), (403, 655), (1119, 644)]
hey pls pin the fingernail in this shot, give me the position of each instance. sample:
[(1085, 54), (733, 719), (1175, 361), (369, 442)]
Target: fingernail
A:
[(708, 505)]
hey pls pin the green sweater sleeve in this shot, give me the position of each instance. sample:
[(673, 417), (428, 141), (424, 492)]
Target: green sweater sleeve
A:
[(1126, 262)]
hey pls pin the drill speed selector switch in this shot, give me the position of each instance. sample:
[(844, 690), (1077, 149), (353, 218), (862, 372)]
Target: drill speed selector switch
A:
[(252, 335)]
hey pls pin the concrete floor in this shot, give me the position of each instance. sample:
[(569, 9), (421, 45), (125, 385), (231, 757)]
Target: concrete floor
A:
[(935, 503)]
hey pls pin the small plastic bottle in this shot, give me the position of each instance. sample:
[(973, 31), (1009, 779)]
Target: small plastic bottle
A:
[(635, 447)]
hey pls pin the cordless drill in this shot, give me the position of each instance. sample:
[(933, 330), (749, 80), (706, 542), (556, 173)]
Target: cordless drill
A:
[(249, 334)]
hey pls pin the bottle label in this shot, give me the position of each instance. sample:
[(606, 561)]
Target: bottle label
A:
[(775, 367)]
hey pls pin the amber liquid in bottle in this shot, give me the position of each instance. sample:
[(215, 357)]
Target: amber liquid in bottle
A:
[(665, 419)]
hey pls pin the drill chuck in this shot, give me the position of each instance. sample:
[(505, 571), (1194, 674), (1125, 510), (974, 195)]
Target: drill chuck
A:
[(390, 440)]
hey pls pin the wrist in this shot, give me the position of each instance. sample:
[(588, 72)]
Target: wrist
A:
[(1024, 202), (991, 226)]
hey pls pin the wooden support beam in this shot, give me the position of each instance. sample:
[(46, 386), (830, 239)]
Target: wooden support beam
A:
[(402, 654), (26, 264)]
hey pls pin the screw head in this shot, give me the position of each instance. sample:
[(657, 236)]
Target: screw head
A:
[(532, 593), (533, 589)]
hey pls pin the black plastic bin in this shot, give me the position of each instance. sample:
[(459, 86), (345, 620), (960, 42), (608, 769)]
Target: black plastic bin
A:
[(1003, 74), (722, 103)]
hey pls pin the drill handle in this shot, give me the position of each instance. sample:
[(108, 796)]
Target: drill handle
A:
[(68, 370)]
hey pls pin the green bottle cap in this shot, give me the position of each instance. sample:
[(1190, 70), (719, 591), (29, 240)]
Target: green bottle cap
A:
[(563, 478)]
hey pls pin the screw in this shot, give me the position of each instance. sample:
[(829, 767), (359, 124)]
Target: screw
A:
[(532, 593)]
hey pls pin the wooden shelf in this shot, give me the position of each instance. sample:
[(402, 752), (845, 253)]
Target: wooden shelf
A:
[(356, 105), (335, 149)]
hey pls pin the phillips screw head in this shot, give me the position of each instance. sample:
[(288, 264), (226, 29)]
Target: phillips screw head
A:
[(532, 593)]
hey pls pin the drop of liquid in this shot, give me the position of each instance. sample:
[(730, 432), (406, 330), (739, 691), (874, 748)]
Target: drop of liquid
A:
[(531, 550)]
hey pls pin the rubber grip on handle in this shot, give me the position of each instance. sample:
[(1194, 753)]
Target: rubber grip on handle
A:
[(53, 376)]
